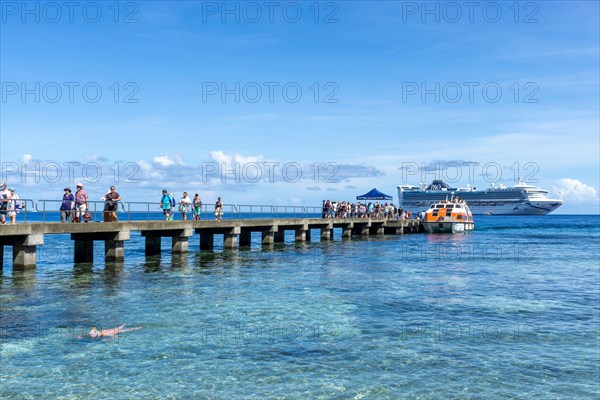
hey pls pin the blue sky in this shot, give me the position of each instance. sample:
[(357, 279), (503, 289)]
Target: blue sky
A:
[(385, 86)]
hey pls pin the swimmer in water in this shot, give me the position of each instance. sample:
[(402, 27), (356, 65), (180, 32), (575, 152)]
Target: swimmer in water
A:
[(112, 333)]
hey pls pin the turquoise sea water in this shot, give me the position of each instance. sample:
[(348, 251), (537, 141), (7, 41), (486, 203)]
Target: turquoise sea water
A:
[(508, 311)]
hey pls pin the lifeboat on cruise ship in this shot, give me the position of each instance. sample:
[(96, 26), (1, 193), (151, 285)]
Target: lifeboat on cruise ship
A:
[(448, 217)]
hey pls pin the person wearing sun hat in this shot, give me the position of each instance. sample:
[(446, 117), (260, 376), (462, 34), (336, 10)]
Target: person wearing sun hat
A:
[(81, 203), (67, 205)]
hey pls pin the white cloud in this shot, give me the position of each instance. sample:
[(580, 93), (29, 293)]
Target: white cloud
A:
[(169, 159), (27, 158), (231, 159), (575, 191)]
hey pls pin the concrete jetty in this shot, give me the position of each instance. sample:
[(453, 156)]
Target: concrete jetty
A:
[(26, 237)]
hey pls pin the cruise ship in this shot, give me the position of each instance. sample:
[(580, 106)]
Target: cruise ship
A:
[(521, 199)]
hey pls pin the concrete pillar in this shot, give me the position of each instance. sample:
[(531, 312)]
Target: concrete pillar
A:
[(268, 238), (279, 236), (230, 241), (308, 237), (245, 238), (24, 253), (207, 241), (23, 257), (326, 234), (114, 250), (179, 244), (346, 232), (364, 230), (301, 234), (152, 247), (377, 229), (84, 251)]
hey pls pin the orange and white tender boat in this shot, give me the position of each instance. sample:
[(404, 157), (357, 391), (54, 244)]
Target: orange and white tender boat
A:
[(448, 217)]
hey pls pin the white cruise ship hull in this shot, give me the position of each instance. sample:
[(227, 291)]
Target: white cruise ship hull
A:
[(529, 208)]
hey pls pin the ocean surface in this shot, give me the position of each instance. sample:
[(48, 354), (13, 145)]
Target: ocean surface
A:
[(510, 310)]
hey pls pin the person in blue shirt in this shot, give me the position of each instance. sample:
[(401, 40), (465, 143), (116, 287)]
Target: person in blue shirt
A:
[(166, 204), (66, 207)]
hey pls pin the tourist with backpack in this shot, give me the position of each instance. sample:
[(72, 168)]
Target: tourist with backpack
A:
[(166, 203)]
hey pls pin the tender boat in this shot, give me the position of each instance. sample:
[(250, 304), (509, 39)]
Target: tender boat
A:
[(448, 217)]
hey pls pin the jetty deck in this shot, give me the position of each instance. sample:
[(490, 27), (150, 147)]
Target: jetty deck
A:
[(24, 238)]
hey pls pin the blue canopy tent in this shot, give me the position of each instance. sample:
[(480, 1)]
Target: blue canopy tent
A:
[(374, 194)]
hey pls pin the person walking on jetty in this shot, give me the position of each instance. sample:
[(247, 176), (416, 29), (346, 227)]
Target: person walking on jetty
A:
[(14, 206), (111, 205), (4, 197), (67, 206), (219, 210), (166, 204), (184, 206), (81, 203), (197, 202)]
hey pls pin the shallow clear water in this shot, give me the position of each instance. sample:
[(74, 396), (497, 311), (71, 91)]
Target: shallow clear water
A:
[(508, 311)]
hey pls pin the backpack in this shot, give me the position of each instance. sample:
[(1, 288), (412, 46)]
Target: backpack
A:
[(172, 201)]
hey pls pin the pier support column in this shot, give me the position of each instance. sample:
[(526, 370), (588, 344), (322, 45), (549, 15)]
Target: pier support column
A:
[(24, 257), (230, 239), (179, 244), (84, 251), (245, 237), (377, 229), (152, 247), (301, 234), (364, 230), (268, 238), (279, 236), (24, 253), (114, 249), (346, 232), (207, 240), (326, 234), (180, 241)]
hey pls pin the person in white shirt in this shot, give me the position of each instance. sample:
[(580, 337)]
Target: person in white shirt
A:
[(13, 206), (184, 205)]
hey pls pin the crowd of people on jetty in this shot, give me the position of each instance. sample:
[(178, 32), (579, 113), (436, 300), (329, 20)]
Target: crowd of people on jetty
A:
[(346, 209), (74, 207)]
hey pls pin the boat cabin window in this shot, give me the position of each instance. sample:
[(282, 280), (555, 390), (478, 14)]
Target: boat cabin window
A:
[(432, 206), (458, 206), (449, 205), (439, 206)]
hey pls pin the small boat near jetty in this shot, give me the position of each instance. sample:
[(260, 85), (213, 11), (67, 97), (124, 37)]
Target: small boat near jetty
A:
[(448, 217)]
